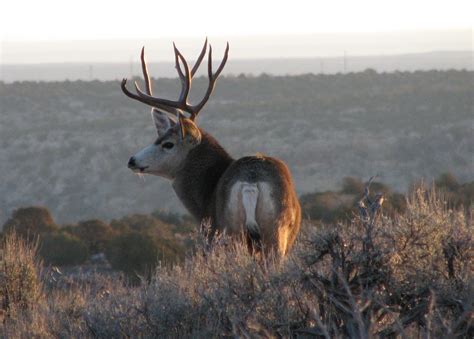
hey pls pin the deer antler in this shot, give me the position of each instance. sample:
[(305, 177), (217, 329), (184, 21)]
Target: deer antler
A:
[(145, 72), (186, 81)]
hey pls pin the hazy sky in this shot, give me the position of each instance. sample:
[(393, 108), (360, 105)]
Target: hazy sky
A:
[(54, 31), (35, 20)]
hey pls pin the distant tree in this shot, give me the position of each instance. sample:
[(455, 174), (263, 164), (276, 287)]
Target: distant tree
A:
[(448, 182), (168, 217), (63, 249), (369, 71), (352, 185), (394, 203), (379, 187), (29, 222), (133, 253), (95, 234), (327, 207), (180, 223), (138, 254), (468, 193), (148, 224), (119, 226), (455, 193), (332, 207)]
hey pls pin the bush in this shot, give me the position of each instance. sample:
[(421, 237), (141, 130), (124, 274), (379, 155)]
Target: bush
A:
[(147, 224), (455, 193), (375, 276), (352, 185), (138, 254), (29, 222), (408, 276), (327, 207), (332, 207), (20, 284), (63, 249), (94, 233), (447, 181), (133, 253), (183, 224)]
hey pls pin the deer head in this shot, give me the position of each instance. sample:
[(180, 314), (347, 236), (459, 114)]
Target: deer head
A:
[(177, 134)]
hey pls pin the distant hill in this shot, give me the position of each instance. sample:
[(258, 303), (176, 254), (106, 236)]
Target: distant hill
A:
[(444, 60), (65, 145)]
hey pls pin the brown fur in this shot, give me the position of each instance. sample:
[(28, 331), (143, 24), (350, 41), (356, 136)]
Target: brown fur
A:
[(204, 183), (253, 196)]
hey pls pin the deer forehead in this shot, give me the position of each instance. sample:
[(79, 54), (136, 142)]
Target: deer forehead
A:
[(170, 135)]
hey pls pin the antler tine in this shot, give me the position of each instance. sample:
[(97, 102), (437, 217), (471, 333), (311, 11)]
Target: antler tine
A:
[(185, 78), (163, 106), (212, 79), (177, 66), (146, 77), (199, 59), (129, 94), (145, 72), (152, 101), (223, 62), (196, 64)]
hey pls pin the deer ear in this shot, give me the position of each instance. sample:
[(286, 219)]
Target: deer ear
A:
[(188, 130), (162, 121)]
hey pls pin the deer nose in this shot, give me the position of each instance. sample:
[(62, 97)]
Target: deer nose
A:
[(131, 163)]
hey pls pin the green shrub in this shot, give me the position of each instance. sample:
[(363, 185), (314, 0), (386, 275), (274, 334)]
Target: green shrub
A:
[(63, 249)]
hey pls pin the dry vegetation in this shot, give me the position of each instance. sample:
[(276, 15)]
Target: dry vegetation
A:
[(402, 276)]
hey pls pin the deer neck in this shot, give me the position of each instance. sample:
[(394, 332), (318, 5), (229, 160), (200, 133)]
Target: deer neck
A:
[(195, 183)]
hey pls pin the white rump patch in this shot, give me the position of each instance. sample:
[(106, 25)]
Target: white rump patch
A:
[(251, 206), (249, 200)]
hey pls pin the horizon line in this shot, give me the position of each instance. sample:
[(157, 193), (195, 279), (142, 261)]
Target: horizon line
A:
[(344, 54)]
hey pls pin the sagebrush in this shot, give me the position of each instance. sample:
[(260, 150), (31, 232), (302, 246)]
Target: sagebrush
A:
[(401, 276)]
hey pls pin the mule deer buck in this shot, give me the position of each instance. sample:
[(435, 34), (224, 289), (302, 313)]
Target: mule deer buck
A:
[(253, 195)]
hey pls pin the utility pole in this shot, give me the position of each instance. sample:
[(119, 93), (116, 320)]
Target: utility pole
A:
[(345, 62), (131, 67)]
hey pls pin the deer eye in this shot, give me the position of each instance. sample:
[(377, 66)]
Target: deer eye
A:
[(168, 145)]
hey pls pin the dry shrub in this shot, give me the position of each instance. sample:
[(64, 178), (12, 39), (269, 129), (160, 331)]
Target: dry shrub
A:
[(406, 276), (21, 293)]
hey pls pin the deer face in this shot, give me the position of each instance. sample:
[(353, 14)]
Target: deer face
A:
[(168, 153)]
